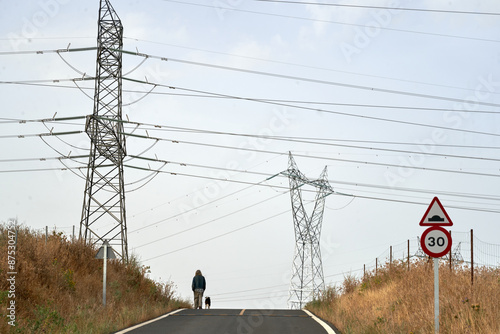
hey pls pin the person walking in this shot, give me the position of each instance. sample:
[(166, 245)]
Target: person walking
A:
[(199, 285)]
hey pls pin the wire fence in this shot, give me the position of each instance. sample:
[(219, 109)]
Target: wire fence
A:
[(466, 249), (70, 232)]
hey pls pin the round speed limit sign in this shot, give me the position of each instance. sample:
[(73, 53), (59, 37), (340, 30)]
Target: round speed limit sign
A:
[(436, 241)]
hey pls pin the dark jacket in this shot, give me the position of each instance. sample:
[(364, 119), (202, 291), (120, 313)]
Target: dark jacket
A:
[(198, 283)]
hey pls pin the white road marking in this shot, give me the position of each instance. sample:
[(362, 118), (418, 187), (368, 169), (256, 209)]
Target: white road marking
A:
[(126, 330), (328, 329)]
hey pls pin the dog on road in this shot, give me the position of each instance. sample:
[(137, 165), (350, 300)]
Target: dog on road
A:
[(207, 302)]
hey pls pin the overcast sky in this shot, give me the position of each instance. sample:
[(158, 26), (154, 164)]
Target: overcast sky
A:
[(400, 105)]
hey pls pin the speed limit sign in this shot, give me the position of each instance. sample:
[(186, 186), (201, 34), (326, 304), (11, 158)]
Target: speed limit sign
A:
[(436, 241)]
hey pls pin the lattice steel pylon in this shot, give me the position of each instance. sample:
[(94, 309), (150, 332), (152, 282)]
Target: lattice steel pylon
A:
[(307, 280), (103, 213)]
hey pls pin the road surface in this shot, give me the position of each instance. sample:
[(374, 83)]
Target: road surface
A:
[(221, 321)]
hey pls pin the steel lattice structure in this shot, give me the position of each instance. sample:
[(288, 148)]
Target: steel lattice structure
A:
[(103, 213), (307, 280)]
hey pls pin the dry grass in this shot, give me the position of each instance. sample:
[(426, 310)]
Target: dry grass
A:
[(58, 288), (402, 301)]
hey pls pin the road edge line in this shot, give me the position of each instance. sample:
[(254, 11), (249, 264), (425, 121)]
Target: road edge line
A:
[(328, 329), (126, 330)]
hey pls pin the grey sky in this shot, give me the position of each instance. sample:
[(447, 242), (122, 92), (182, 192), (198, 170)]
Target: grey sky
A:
[(328, 74)]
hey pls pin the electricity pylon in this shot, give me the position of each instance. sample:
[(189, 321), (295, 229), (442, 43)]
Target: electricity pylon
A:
[(307, 280), (103, 213), (456, 255)]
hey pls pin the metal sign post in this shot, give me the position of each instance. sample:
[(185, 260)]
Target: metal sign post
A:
[(436, 242), (104, 271), (104, 253), (436, 295)]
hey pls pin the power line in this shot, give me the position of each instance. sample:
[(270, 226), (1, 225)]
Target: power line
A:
[(244, 299), (315, 141), (380, 7), (42, 134), (253, 184), (196, 208), (209, 222), (268, 74), (419, 203), (466, 195), (193, 208), (304, 66), (333, 112), (341, 23), (218, 236), (42, 120), (159, 127), (40, 169), (59, 51), (250, 184), (302, 107), (44, 159), (343, 113), (290, 77), (204, 95), (39, 52), (43, 38), (417, 190), (280, 187), (202, 166), (249, 290), (276, 215), (317, 157)]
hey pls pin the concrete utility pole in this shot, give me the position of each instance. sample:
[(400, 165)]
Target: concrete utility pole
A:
[(103, 213), (307, 280)]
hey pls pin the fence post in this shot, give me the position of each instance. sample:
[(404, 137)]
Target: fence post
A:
[(46, 233), (376, 266), (408, 255), (471, 257), (364, 271), (390, 258), (450, 256), (73, 237)]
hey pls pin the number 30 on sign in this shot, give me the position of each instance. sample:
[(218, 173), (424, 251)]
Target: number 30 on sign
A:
[(436, 241)]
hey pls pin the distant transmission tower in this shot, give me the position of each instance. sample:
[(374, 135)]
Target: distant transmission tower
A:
[(103, 213), (307, 280)]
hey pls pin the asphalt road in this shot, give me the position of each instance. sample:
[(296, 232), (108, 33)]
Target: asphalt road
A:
[(220, 321)]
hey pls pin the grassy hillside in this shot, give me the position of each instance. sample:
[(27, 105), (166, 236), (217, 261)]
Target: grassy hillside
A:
[(402, 301), (57, 288)]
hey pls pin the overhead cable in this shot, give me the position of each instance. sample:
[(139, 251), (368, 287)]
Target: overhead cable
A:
[(316, 157), (315, 141), (295, 78), (218, 236), (209, 222), (334, 112), (262, 99), (445, 11), (336, 22)]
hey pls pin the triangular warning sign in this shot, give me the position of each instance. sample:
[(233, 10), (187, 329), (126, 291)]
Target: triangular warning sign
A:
[(436, 215), (110, 254)]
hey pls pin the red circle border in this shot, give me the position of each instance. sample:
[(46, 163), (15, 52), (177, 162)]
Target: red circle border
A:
[(424, 247)]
